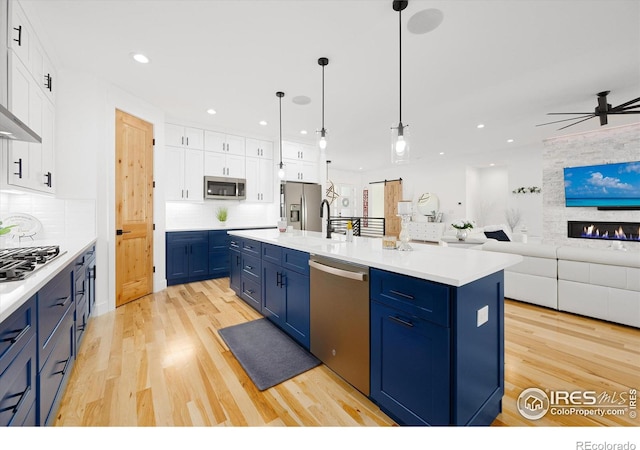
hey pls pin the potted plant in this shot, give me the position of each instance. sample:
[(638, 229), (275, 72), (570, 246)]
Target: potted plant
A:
[(221, 214), (462, 226)]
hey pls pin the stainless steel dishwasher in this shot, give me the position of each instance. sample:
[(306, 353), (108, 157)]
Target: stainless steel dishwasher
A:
[(339, 309)]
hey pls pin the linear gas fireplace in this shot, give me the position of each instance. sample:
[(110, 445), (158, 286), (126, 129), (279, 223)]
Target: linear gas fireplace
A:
[(612, 231)]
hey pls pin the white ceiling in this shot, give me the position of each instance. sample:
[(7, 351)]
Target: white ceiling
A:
[(501, 63)]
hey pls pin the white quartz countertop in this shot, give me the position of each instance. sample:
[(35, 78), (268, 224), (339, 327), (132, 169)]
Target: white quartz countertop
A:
[(218, 227), (13, 294), (447, 265)]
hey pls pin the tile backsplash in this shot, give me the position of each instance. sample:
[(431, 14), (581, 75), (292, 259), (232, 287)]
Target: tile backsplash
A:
[(186, 215), (60, 219)]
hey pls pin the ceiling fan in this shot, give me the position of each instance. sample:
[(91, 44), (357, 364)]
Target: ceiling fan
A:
[(603, 110)]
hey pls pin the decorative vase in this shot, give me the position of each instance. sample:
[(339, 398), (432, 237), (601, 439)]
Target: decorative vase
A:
[(461, 234)]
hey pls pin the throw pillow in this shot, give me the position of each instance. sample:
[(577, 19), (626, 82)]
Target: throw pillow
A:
[(498, 235)]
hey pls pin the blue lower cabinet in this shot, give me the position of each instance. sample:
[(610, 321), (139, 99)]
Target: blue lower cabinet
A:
[(56, 368), (285, 290), (235, 271), (219, 253), (410, 377), (187, 256), (273, 298), (434, 360), (296, 317), (18, 386)]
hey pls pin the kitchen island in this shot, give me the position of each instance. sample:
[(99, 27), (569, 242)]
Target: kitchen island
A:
[(435, 314)]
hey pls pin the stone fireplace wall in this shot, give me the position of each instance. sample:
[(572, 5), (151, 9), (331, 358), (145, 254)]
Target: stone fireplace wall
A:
[(611, 145)]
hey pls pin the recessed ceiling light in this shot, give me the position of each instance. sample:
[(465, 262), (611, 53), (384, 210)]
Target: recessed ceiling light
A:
[(263, 123), (509, 140), (142, 59), (360, 168), (480, 125), (303, 131), (492, 164), (425, 21), (301, 100), (441, 153), (6, 133), (211, 111)]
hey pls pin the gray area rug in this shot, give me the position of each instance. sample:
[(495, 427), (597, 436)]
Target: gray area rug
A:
[(266, 353)]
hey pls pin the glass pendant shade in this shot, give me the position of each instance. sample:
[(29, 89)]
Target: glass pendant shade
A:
[(322, 139), (281, 171), (400, 148)]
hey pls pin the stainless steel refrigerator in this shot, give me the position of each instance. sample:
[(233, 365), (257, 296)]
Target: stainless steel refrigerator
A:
[(302, 205)]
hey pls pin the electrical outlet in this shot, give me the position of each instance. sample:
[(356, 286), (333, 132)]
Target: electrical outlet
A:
[(482, 315)]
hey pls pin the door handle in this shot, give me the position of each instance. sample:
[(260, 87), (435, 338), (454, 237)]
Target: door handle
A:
[(19, 163), (401, 322), (19, 40), (121, 232)]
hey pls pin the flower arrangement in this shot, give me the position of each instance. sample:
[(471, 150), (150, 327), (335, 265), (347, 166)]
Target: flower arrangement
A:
[(527, 190), (221, 213), (462, 224)]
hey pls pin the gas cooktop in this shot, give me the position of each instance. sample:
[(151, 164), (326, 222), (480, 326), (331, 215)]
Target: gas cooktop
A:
[(18, 263)]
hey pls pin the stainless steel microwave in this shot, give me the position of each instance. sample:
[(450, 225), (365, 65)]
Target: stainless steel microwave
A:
[(220, 188)]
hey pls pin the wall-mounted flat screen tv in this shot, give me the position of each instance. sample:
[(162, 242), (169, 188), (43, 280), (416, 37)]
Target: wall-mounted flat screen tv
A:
[(605, 185)]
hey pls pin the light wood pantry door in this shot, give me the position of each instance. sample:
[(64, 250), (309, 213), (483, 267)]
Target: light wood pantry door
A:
[(392, 195), (134, 208)]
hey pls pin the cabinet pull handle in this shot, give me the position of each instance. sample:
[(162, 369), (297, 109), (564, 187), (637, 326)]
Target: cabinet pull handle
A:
[(64, 369), (19, 40), (400, 294), (64, 300), (17, 337), (250, 291), (48, 81), (187, 141), (182, 140), (248, 267), (48, 177), (401, 322), (278, 279), (19, 163), (187, 193), (23, 395)]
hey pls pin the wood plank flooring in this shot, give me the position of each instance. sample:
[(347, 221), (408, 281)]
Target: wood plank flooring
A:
[(159, 361)]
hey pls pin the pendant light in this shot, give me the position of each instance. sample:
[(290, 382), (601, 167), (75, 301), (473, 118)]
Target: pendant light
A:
[(280, 166), (322, 142), (400, 134)]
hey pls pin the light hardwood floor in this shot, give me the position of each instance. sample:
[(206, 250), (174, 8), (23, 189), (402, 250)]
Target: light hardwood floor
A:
[(159, 361)]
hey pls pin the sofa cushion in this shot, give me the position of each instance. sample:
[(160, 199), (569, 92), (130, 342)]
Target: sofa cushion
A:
[(498, 235), (598, 256)]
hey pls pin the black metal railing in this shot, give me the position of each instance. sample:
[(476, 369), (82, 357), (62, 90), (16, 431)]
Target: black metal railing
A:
[(362, 226)]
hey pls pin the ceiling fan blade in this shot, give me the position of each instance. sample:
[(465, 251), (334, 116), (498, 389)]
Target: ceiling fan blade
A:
[(564, 120), (626, 112), (555, 114), (576, 123), (617, 111), (615, 108)]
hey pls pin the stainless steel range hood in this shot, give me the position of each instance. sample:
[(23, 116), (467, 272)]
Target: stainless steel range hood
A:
[(11, 127), (14, 129)]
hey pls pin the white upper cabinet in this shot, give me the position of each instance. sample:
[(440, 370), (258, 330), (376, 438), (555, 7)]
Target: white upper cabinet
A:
[(301, 162), (260, 174), (222, 165), (301, 152), (224, 143), (181, 136), (20, 34), (184, 174), (259, 149)]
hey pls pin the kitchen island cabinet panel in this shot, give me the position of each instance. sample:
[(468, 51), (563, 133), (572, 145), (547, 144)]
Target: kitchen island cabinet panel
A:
[(422, 368), (16, 330), (409, 366), (235, 271)]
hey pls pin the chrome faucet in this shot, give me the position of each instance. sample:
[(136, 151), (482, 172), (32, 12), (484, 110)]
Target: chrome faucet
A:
[(329, 229)]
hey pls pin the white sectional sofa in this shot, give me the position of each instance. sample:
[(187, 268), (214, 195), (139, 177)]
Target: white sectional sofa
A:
[(535, 279), (600, 283), (604, 284)]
